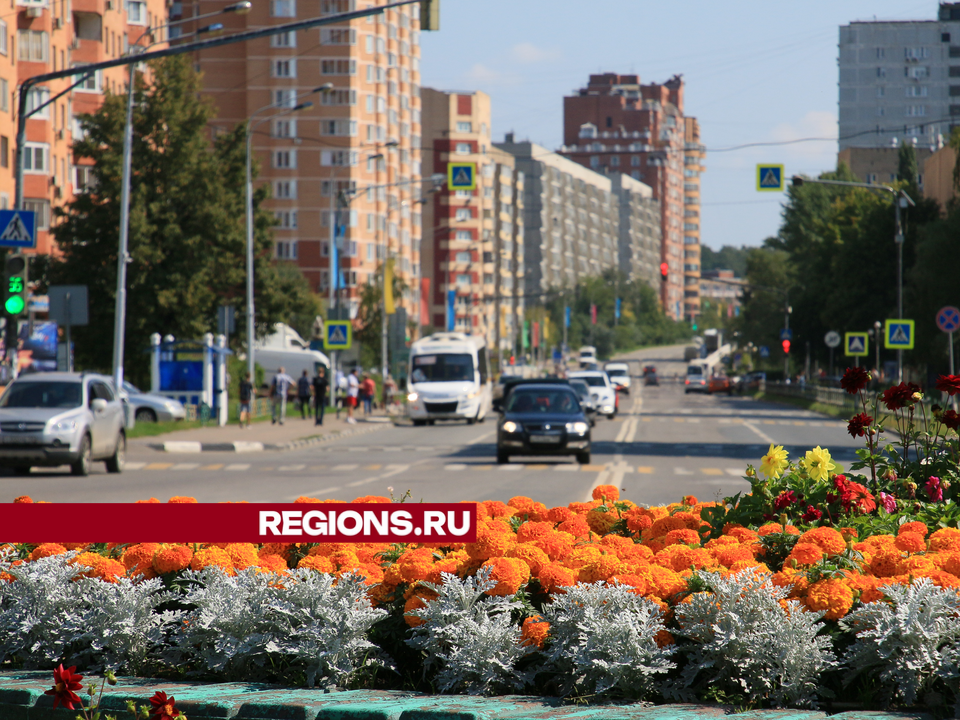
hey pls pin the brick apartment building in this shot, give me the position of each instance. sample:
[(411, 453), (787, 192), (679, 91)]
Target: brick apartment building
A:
[(472, 239), (362, 136), (43, 36), (617, 125)]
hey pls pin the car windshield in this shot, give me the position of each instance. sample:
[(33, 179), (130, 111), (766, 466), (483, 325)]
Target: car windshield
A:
[(694, 370), (619, 372), (130, 389), (42, 395), (442, 368), (580, 387), (555, 402), (593, 380)]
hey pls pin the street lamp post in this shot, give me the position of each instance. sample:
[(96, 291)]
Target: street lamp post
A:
[(900, 200)]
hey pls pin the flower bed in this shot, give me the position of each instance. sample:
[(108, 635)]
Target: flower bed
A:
[(817, 584)]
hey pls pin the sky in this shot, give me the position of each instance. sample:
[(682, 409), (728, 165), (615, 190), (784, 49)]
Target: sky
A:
[(755, 71)]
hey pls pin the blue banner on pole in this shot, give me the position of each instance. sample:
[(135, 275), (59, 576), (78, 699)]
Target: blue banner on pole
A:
[(334, 257), (618, 309), (451, 310), (566, 316)]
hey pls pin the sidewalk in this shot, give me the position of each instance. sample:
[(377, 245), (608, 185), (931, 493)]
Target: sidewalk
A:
[(262, 434)]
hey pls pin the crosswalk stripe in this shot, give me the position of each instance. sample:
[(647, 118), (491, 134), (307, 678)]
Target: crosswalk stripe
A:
[(455, 467), (185, 466), (645, 469), (681, 471), (511, 467), (159, 466), (537, 467), (712, 471), (289, 468), (372, 467), (485, 468), (593, 468), (735, 472), (215, 466), (344, 467), (238, 466), (134, 466), (567, 468)]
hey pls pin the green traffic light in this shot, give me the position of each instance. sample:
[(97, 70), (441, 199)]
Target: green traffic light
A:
[(14, 305)]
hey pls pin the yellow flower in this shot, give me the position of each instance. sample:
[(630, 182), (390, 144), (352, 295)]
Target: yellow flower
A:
[(774, 462), (818, 463)]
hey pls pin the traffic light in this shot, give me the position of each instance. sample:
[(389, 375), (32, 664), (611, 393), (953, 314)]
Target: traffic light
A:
[(14, 297), (786, 347), (664, 271), (429, 14)]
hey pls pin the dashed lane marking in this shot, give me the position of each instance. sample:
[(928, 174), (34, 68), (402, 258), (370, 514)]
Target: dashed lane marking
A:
[(215, 466), (293, 468), (238, 466), (339, 468), (712, 471), (186, 466), (159, 466), (134, 466), (645, 469)]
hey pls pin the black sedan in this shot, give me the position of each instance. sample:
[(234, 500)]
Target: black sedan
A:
[(543, 420)]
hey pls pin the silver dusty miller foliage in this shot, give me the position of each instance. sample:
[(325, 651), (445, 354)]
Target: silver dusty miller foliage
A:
[(745, 640), (604, 637), (908, 641), (248, 624), (470, 637)]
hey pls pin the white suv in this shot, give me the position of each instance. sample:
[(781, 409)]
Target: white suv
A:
[(619, 375), (602, 392), (52, 419)]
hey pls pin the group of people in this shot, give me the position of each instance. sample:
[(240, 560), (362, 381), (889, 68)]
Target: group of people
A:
[(349, 391)]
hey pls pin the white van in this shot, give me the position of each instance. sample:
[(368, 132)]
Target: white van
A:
[(284, 348), (449, 379), (588, 355)]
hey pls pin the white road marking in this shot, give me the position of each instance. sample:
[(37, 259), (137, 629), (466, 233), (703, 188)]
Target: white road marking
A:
[(396, 469), (183, 466), (511, 468), (134, 465), (288, 468), (482, 438), (566, 468), (735, 472), (238, 466), (455, 467), (760, 433), (341, 467), (681, 471)]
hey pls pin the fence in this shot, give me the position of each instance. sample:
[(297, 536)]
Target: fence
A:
[(837, 397)]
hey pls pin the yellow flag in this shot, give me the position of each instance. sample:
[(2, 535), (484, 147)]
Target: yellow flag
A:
[(388, 288), (546, 329)]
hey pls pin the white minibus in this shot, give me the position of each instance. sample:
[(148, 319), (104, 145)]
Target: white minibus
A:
[(449, 379)]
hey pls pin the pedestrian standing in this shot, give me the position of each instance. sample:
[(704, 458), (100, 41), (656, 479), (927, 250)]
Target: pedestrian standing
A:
[(279, 389), (389, 392), (246, 397), (303, 394), (353, 393), (320, 393), (339, 389), (369, 390)]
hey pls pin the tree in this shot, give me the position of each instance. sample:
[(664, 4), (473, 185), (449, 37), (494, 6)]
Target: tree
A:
[(726, 258), (907, 169), (370, 318), (187, 241)]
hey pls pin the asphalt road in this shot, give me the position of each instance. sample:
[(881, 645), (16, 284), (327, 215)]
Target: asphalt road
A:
[(664, 444)]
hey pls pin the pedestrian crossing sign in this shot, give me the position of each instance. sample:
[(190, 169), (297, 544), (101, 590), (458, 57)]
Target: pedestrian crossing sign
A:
[(18, 229), (338, 335), (898, 335), (856, 344), (770, 177), (462, 176)]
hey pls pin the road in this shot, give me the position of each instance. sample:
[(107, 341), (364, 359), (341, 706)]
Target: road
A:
[(664, 444)]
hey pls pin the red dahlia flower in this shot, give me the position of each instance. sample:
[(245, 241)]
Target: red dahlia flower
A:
[(934, 489), (855, 379), (858, 425), (899, 396), (784, 500), (65, 682), (951, 419), (811, 515), (949, 384), (163, 707)]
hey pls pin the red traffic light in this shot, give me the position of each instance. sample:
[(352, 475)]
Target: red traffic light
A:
[(664, 270), (786, 347)]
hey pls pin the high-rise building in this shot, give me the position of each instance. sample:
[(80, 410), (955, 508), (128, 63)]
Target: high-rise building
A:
[(472, 239), (617, 125), (900, 80), (44, 36), (639, 230), (358, 144)]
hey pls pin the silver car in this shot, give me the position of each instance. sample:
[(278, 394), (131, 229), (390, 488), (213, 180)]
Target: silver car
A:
[(148, 407), (51, 419)]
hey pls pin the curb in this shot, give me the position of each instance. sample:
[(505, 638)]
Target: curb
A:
[(191, 446), (22, 696)]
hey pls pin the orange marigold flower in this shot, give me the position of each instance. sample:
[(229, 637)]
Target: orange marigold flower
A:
[(664, 525), (557, 546), (447, 565), (281, 549), (690, 500), (415, 564), (743, 535), (554, 577), (212, 556), (494, 509), (721, 542), (601, 520), (373, 499), (242, 555), (950, 562), (529, 531), (638, 519), (417, 600), (682, 537), (25, 499), (581, 555), (148, 501), (534, 631), (804, 553), (490, 543), (867, 586), (558, 514), (609, 493), (640, 583), (138, 559), (911, 542), (345, 560), (46, 550), (371, 573), (832, 595), (769, 529), (318, 563), (663, 638), (727, 556), (917, 565), (827, 539), (602, 568), (666, 582), (681, 557), (576, 526), (182, 499), (913, 527), (943, 579), (172, 558), (757, 567), (303, 499), (272, 563), (635, 553), (886, 563), (945, 539), (534, 557), (525, 506), (509, 573), (108, 570)]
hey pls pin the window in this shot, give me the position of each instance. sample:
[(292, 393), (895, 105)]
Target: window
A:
[(464, 257), (285, 128), (3, 37), (284, 40), (464, 127), (36, 157), (615, 161), (955, 91), (594, 161), (916, 53), (285, 189), (464, 193), (35, 98), (463, 149), (287, 250), (338, 36), (285, 98), (879, 112), (285, 159), (33, 46), (339, 67), (285, 68), (4, 151), (463, 279), (91, 84), (336, 7), (944, 37), (916, 91), (464, 235), (881, 52), (283, 8), (338, 158), (42, 209), (286, 219), (342, 127), (916, 110), (881, 72), (136, 12), (464, 214), (339, 97), (917, 73), (955, 71)]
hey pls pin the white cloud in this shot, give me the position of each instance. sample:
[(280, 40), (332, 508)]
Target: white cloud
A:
[(529, 53), (480, 74), (815, 123)]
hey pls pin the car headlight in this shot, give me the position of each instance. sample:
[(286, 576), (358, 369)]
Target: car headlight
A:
[(510, 426), (172, 406), (595, 396), (412, 397), (471, 396), (577, 427), (65, 426)]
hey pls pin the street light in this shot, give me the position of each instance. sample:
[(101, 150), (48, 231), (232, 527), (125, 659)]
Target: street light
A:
[(900, 200), (123, 256)]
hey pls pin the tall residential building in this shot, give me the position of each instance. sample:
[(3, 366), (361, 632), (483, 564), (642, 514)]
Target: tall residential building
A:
[(617, 125), (360, 140), (900, 80), (571, 219), (470, 237), (639, 230), (44, 36)]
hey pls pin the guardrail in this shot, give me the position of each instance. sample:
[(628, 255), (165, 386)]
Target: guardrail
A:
[(837, 397)]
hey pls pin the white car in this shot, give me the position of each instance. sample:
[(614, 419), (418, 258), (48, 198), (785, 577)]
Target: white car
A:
[(619, 375), (602, 392)]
